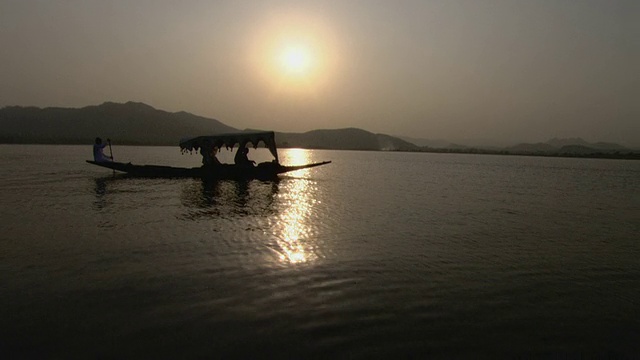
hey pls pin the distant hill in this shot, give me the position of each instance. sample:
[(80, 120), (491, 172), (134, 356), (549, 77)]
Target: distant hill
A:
[(576, 146), (559, 143), (573, 147), (130, 123), (140, 124), (427, 142), (344, 139), (537, 147), (458, 144)]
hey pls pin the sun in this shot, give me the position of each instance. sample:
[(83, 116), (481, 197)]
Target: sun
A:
[(296, 59), (294, 53)]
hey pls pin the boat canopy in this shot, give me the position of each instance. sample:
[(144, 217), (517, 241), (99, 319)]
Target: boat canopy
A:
[(231, 139)]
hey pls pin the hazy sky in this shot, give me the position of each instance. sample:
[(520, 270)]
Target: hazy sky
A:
[(509, 70)]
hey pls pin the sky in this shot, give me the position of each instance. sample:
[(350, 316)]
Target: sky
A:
[(504, 71)]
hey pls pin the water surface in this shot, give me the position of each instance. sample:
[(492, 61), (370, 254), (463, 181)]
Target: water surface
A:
[(375, 255)]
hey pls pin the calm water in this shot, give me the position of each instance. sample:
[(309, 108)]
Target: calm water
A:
[(376, 255)]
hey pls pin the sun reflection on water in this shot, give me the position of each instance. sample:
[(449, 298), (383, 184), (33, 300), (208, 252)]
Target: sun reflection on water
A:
[(294, 233)]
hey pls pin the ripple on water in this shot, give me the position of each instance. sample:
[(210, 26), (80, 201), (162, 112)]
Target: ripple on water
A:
[(376, 255)]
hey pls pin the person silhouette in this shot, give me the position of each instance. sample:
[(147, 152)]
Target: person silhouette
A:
[(98, 151), (242, 157)]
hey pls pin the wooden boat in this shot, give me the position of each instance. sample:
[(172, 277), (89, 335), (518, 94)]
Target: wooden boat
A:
[(212, 170)]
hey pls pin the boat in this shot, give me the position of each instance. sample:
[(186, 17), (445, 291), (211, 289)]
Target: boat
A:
[(207, 146)]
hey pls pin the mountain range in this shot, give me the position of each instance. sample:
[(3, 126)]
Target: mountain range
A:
[(130, 123), (140, 124)]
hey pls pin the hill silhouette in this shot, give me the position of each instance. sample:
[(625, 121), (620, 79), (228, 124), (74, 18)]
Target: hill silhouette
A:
[(140, 124), (573, 147), (344, 139), (130, 123), (136, 123), (576, 146)]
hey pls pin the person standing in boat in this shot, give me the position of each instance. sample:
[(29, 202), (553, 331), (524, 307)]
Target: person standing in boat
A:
[(98, 151)]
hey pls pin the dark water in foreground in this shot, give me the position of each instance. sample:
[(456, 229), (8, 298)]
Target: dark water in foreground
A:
[(376, 255)]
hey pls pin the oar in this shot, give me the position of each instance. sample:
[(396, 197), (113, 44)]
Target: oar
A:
[(111, 153)]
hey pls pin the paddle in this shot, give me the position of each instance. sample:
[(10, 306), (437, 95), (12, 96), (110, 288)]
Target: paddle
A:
[(111, 154)]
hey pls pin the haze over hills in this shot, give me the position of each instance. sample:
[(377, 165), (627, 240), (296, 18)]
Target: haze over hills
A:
[(553, 144), (433, 143), (140, 124), (571, 146), (554, 147), (344, 139)]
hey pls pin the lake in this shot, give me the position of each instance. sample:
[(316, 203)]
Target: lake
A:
[(377, 255)]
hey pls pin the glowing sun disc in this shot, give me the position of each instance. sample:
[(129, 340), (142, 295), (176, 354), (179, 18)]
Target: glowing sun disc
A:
[(296, 60)]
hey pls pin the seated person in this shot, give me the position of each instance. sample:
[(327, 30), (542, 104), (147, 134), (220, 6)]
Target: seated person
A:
[(98, 154), (214, 158), (241, 157), (209, 155)]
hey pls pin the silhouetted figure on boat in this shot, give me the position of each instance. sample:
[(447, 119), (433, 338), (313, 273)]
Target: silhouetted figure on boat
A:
[(214, 158), (208, 153), (242, 157), (98, 151)]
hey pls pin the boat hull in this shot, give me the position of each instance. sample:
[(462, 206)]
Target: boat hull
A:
[(264, 171)]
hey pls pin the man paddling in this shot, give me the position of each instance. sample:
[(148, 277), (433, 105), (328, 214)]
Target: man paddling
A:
[(98, 148)]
